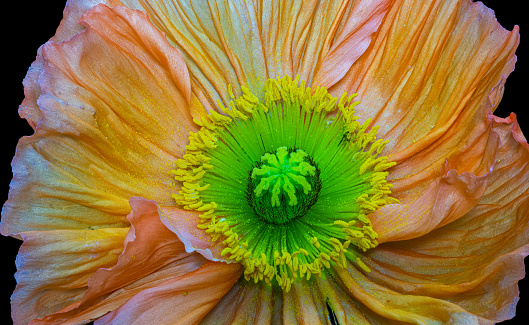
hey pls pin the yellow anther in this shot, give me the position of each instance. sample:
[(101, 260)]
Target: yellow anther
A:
[(315, 242)]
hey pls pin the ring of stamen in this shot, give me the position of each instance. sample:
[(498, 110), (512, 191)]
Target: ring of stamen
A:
[(283, 183)]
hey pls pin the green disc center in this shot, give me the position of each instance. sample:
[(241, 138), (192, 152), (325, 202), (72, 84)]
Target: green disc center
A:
[(283, 185)]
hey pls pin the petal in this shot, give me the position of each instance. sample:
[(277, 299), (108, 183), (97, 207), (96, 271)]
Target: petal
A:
[(477, 260), (301, 307), (351, 42), (185, 299), (247, 303), (447, 199), (53, 268), (429, 67), (115, 117), (429, 80), (29, 109), (184, 224), (243, 43), (152, 255), (219, 40), (392, 305)]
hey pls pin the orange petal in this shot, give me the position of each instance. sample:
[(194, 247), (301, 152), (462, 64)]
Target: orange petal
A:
[(115, 103), (185, 299), (477, 260), (184, 224), (152, 255), (429, 79), (447, 199), (53, 268), (429, 67)]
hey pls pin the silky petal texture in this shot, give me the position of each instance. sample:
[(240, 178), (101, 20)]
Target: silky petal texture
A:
[(399, 307), (306, 304), (184, 299), (115, 118), (244, 43), (247, 303), (184, 224), (477, 260), (428, 80), (53, 268), (152, 255), (29, 109)]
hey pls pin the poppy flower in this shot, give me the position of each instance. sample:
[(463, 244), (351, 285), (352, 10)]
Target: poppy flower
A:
[(252, 162)]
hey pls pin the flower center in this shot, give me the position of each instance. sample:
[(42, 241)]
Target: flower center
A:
[(283, 186), (286, 182)]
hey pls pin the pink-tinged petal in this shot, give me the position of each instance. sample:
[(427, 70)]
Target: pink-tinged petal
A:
[(247, 303), (115, 104), (73, 11), (476, 261), (29, 109), (152, 255), (352, 41), (457, 189), (185, 299), (184, 224), (429, 79), (53, 268)]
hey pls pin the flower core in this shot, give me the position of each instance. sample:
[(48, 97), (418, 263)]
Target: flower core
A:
[(286, 182), (284, 186)]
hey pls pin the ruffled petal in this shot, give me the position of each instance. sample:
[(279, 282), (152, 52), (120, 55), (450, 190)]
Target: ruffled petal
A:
[(53, 268), (115, 103), (244, 43), (477, 260), (69, 26), (152, 255), (352, 40), (184, 224), (219, 41), (184, 299), (429, 79)]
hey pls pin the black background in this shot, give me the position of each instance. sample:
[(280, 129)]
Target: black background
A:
[(26, 25)]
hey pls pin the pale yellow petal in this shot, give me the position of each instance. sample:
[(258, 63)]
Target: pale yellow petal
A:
[(115, 103), (53, 268)]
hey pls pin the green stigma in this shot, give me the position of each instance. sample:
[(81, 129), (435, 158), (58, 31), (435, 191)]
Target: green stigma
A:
[(286, 182), (283, 186)]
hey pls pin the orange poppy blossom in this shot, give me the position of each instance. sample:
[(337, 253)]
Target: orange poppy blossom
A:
[(253, 162)]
